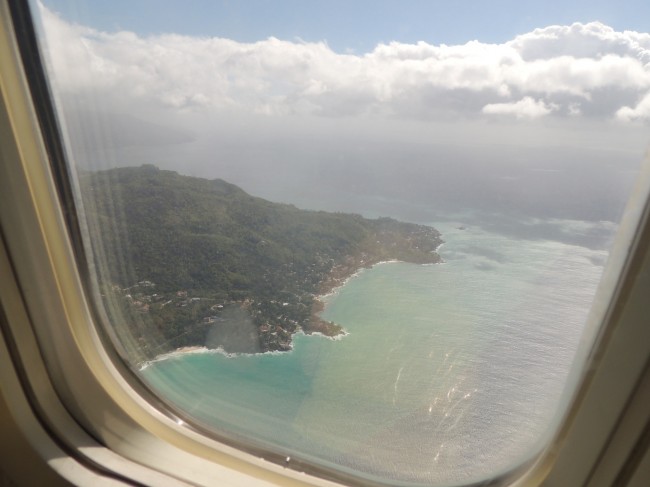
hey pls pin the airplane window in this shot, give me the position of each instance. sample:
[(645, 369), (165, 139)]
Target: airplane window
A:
[(365, 237)]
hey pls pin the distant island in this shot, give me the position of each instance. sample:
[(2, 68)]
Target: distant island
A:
[(184, 261)]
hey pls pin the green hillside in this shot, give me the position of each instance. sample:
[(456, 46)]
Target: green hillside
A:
[(219, 267)]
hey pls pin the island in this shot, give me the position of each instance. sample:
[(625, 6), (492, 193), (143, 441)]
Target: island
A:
[(183, 262)]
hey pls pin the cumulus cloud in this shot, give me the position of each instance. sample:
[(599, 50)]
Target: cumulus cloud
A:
[(527, 107), (640, 112), (581, 70), (593, 40)]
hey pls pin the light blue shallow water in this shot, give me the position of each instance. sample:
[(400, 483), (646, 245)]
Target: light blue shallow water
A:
[(450, 373)]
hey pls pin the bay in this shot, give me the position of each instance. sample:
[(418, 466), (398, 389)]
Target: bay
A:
[(450, 373)]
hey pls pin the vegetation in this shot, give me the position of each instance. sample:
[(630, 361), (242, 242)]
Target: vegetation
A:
[(183, 261)]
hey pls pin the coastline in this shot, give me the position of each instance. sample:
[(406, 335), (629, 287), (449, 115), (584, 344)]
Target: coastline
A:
[(317, 325), (174, 353), (339, 276), (412, 249)]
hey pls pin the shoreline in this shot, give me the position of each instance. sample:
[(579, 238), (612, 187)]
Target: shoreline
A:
[(318, 326), (331, 285), (339, 276), (193, 350), (187, 350)]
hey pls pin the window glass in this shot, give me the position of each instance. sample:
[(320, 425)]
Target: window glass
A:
[(364, 236)]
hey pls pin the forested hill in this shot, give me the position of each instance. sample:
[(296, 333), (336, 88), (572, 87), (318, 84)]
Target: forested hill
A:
[(210, 239)]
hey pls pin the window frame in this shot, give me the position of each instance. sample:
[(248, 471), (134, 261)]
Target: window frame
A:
[(103, 419)]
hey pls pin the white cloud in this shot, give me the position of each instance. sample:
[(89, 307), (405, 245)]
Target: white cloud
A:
[(525, 108), (574, 109), (547, 72), (640, 112), (592, 41)]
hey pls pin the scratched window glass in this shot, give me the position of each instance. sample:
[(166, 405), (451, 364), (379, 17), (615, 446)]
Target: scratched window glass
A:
[(364, 237)]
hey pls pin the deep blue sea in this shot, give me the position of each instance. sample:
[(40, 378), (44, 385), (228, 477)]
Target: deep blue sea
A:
[(450, 372)]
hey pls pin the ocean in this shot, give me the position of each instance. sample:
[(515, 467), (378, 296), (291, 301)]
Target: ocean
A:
[(450, 373)]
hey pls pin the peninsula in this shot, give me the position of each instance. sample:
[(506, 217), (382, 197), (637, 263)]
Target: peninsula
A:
[(185, 262)]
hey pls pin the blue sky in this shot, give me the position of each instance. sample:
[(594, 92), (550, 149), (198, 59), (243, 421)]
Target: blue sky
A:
[(544, 61), (209, 104), (348, 25)]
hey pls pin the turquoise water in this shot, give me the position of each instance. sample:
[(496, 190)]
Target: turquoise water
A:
[(449, 373)]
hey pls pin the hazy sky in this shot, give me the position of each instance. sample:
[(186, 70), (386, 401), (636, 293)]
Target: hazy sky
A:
[(536, 105), (576, 69), (357, 25)]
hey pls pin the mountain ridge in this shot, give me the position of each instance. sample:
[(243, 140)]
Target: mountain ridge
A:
[(210, 240)]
